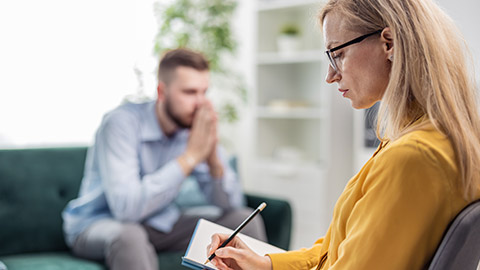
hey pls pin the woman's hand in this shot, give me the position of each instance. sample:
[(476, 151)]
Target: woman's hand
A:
[(236, 255)]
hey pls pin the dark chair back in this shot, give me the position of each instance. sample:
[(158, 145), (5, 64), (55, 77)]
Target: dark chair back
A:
[(460, 246)]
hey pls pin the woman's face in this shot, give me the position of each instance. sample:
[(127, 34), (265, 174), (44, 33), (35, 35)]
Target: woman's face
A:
[(363, 67)]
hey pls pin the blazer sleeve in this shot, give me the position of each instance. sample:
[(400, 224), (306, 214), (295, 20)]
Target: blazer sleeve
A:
[(305, 258)]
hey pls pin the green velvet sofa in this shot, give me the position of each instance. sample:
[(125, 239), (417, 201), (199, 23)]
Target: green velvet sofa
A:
[(35, 186)]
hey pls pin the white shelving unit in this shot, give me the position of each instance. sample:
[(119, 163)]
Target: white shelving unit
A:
[(363, 148), (271, 58), (293, 146)]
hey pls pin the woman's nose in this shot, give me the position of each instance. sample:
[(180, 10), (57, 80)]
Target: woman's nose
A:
[(332, 75)]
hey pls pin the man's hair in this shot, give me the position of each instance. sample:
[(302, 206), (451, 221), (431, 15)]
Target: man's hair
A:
[(430, 75), (180, 58)]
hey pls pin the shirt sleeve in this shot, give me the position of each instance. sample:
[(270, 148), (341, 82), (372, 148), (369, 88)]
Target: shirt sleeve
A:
[(225, 192), (400, 215), (305, 258), (130, 197)]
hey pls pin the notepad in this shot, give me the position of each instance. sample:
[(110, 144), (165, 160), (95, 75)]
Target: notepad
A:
[(196, 253)]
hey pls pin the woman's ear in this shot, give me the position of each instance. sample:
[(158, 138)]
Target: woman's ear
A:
[(387, 39)]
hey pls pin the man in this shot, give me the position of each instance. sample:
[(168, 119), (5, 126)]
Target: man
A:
[(142, 154)]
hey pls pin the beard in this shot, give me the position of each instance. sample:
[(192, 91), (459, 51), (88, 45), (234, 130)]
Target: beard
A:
[(174, 117)]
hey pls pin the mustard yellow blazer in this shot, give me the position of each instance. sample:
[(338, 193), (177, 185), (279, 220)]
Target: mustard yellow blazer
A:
[(393, 213)]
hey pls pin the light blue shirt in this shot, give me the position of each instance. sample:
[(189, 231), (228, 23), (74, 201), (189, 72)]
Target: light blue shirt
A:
[(132, 175)]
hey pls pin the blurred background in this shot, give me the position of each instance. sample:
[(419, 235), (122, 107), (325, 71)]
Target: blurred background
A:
[(63, 64)]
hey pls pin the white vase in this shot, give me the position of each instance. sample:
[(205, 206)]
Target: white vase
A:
[(287, 44)]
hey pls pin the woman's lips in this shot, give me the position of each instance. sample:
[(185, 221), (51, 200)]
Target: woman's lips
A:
[(344, 91)]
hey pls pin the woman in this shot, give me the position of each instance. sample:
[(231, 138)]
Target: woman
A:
[(393, 213)]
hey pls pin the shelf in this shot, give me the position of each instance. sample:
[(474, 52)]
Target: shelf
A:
[(273, 58), (291, 113), (307, 166), (264, 5)]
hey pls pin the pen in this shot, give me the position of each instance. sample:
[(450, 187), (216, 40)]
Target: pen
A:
[(238, 229)]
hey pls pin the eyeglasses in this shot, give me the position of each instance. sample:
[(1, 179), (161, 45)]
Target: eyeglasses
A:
[(333, 58)]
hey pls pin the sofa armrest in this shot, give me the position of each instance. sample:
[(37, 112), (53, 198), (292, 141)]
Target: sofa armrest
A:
[(277, 217)]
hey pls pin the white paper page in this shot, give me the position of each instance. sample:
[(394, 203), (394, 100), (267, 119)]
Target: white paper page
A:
[(197, 250)]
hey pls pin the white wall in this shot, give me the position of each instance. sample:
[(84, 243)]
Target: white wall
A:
[(64, 63), (465, 13)]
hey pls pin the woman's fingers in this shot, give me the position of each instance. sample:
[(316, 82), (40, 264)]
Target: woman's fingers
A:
[(230, 258), (217, 240), (220, 264), (209, 248), (236, 254)]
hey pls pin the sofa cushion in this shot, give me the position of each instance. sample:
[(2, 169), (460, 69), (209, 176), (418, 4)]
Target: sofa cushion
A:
[(36, 186), (190, 194), (49, 261), (64, 260)]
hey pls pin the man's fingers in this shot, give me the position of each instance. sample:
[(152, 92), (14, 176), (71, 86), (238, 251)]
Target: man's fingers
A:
[(199, 120), (203, 121), (203, 134), (208, 104)]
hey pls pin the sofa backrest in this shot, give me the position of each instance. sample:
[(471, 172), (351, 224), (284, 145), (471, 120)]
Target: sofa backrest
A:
[(35, 186)]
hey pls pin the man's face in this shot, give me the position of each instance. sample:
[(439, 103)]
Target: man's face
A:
[(184, 94)]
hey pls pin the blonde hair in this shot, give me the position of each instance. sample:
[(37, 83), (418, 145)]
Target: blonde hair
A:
[(429, 76)]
